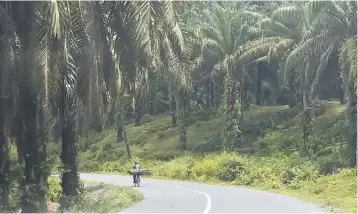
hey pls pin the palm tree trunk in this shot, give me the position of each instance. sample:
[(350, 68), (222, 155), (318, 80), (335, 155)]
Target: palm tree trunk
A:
[(307, 128), (207, 103), (173, 111), (31, 200), (217, 98), (97, 67), (212, 95), (137, 110), (308, 119), (96, 123), (68, 157), (4, 98), (232, 132), (70, 181), (42, 173), (181, 106), (340, 89), (352, 124), (258, 86), (119, 124), (4, 168), (119, 131), (124, 131), (293, 95), (28, 140)]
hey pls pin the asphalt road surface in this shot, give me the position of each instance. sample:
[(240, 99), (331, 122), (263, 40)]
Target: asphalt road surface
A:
[(184, 197)]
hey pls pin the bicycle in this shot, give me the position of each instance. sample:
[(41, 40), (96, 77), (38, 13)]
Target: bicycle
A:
[(137, 181)]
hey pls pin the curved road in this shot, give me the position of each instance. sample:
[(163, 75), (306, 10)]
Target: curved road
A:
[(183, 197)]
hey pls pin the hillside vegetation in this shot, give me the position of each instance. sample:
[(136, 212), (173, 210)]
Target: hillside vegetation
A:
[(269, 160), (213, 91)]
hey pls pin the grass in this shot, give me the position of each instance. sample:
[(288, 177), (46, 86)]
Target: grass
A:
[(97, 197), (335, 191), (278, 173), (271, 161), (107, 199)]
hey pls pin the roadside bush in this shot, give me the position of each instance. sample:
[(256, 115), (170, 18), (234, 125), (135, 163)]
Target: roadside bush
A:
[(224, 166), (274, 172), (116, 166), (179, 168), (54, 190)]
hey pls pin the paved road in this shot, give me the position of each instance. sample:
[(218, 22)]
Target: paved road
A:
[(183, 197)]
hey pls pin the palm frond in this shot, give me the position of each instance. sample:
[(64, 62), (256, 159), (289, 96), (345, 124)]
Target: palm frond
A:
[(348, 59), (274, 26), (56, 16), (211, 33), (289, 15), (211, 48), (322, 65), (249, 17), (255, 49)]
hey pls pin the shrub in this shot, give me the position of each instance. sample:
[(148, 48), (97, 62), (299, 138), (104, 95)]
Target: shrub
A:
[(54, 190), (176, 169), (224, 167)]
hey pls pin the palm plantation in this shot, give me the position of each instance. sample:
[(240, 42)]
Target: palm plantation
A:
[(72, 68)]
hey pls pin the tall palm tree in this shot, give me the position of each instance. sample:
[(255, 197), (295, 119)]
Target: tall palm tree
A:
[(332, 27), (282, 30), (28, 123), (224, 34), (68, 42), (5, 102), (160, 39)]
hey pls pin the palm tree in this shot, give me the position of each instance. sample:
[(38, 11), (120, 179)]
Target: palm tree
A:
[(332, 27), (223, 34), (5, 103), (282, 31), (29, 113), (339, 24), (348, 56), (159, 34), (68, 41)]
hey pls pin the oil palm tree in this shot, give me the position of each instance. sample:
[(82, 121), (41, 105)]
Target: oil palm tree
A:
[(224, 34), (67, 43), (6, 101), (282, 30), (160, 39), (332, 26), (28, 124), (339, 24)]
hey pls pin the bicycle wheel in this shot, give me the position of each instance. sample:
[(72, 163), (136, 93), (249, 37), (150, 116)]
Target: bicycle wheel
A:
[(138, 180)]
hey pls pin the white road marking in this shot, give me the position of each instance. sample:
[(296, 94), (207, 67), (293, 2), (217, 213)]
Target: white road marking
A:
[(208, 199)]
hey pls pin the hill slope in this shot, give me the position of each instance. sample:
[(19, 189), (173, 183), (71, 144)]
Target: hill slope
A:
[(269, 160), (266, 130)]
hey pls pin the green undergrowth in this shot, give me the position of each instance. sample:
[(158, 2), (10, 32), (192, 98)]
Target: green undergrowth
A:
[(266, 130), (97, 197), (270, 159), (338, 190), (286, 174)]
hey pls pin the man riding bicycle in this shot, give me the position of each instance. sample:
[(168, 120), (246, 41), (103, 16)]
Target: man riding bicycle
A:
[(136, 166)]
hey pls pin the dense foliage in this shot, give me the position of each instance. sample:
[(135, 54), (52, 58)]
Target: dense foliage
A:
[(71, 67)]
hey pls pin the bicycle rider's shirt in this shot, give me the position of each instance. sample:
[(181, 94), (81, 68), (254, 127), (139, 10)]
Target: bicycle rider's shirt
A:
[(136, 166)]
